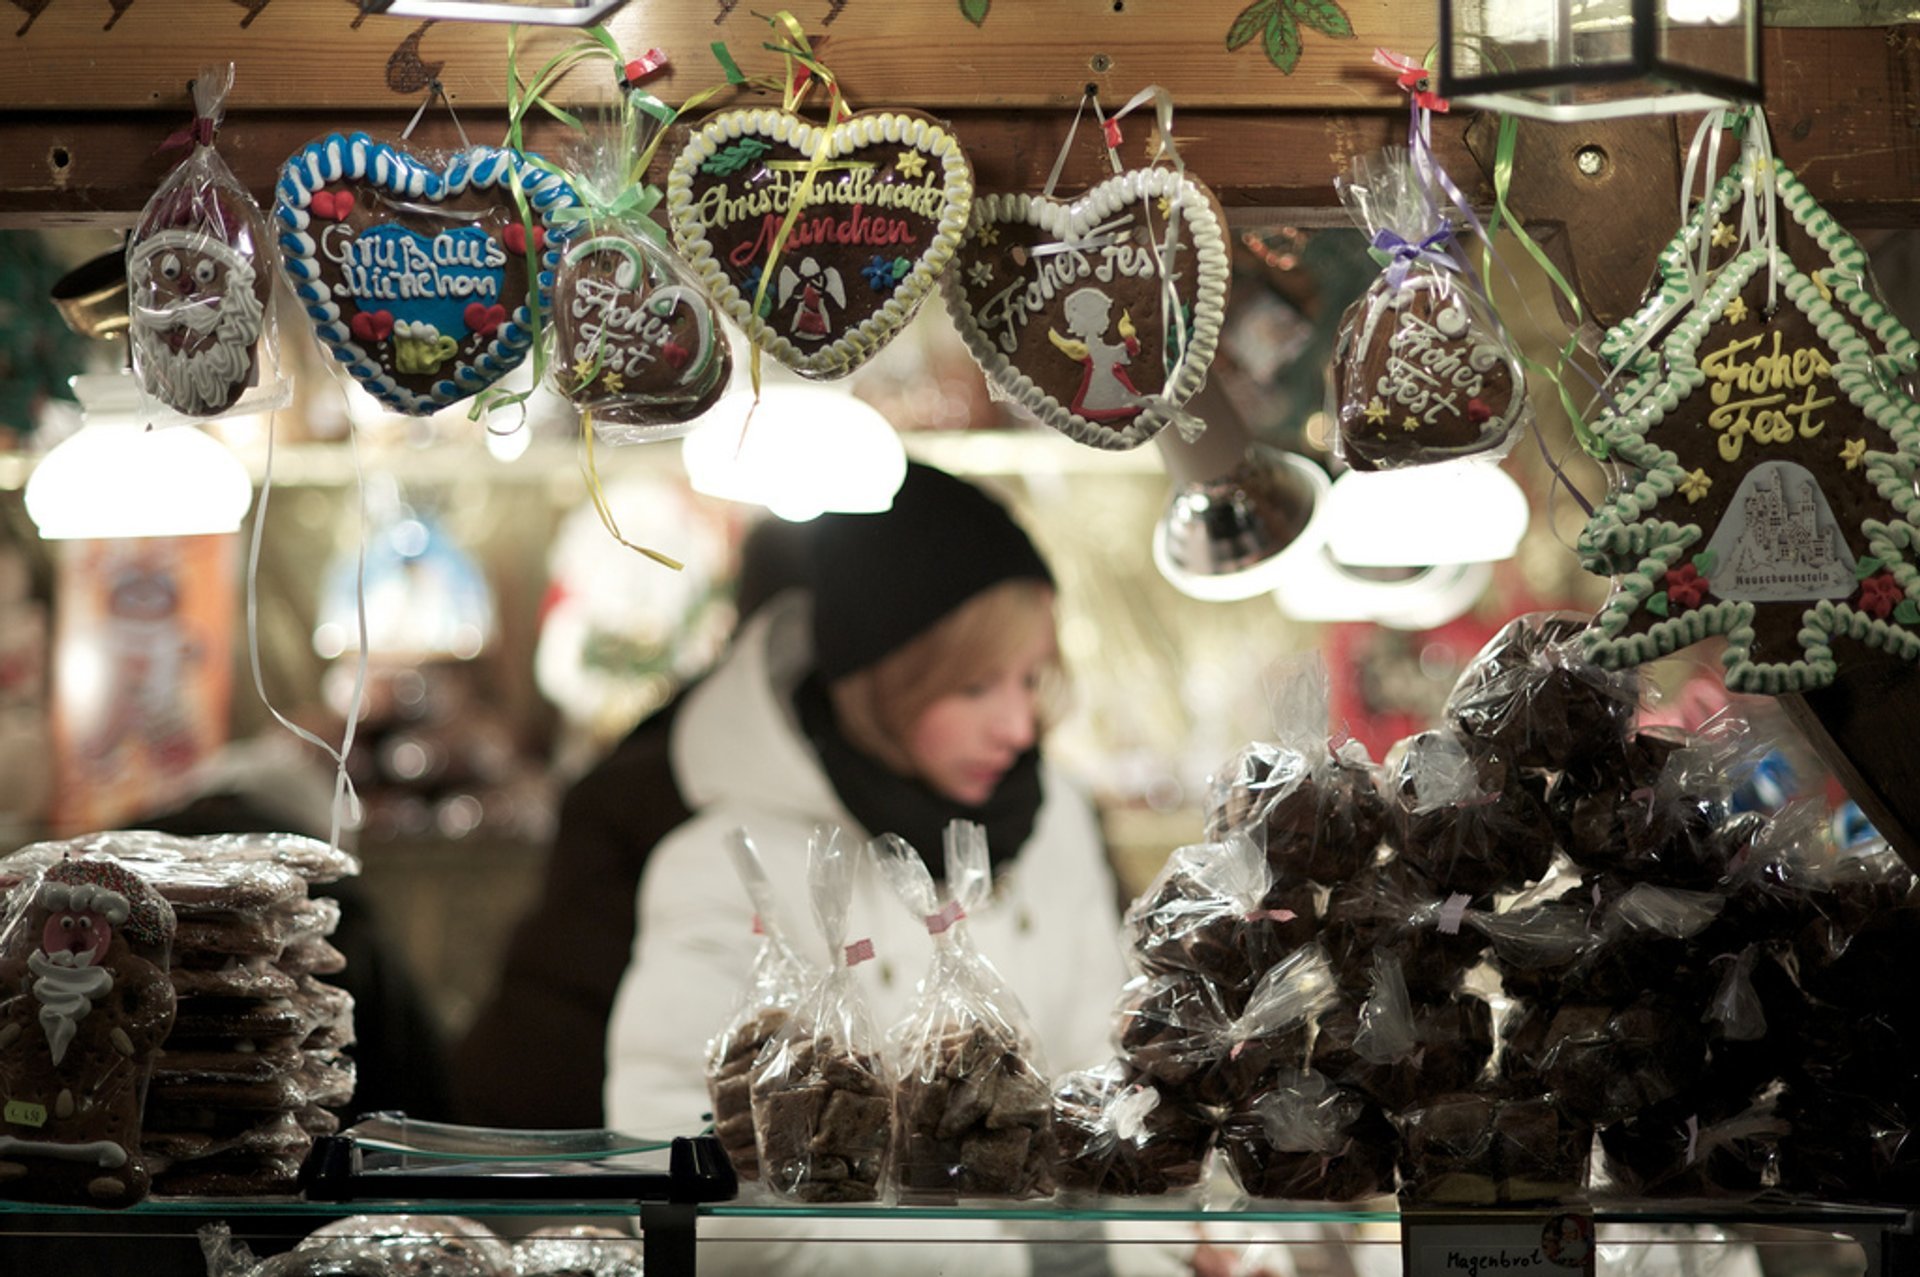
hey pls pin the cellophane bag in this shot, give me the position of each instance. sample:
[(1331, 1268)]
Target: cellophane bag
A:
[(85, 1004), (822, 1091), (200, 270), (1392, 909), (973, 1114), (1315, 810), (1213, 911), (1199, 1049), (780, 977), (638, 347), (579, 1250), (1533, 698), (443, 1245), (1120, 1136), (1468, 820), (1474, 1149), (1423, 370), (1306, 1138)]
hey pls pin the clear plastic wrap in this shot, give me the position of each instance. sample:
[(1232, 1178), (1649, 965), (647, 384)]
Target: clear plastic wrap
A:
[(1534, 945), (1392, 910), (1602, 1064), (822, 1091), (1534, 699), (417, 1245), (1317, 812), (1119, 1136), (638, 347), (781, 976), (1466, 819), (1645, 937), (972, 1112), (1214, 911), (85, 1004), (1306, 1139), (1464, 1149), (200, 270), (1707, 1143), (1177, 1030), (580, 1250), (1423, 370), (1397, 1051)]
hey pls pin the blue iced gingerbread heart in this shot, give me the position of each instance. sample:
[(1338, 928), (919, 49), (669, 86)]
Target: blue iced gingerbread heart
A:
[(405, 267)]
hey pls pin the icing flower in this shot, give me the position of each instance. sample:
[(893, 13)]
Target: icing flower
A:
[(1735, 311), (1411, 424), (613, 382), (1722, 235), (585, 368), (1685, 586), (1376, 411), (1696, 485), (1880, 594), (910, 164), (987, 234), (980, 274), (1853, 452), (879, 273)]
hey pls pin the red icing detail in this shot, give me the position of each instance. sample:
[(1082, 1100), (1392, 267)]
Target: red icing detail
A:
[(515, 238), (1880, 594), (483, 320), (1685, 586), (1477, 411), (675, 354), (372, 325), (332, 205)]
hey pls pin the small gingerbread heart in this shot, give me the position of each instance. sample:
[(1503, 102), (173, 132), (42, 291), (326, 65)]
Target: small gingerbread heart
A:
[(887, 195), (1067, 306), (366, 229)]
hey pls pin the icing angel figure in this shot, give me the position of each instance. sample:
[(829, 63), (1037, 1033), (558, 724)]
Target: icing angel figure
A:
[(1106, 392), (815, 286), (85, 1002)]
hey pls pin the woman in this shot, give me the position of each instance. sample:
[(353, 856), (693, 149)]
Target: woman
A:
[(905, 690)]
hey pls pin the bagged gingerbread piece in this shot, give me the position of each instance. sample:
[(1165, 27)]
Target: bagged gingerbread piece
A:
[(1307, 1139), (1532, 696), (1472, 1149), (1391, 909), (1120, 1136), (822, 1092), (200, 268), (1398, 1051), (1215, 912), (1177, 1030), (1469, 820), (779, 979), (972, 1109), (1708, 1142), (85, 1004), (1645, 937), (1316, 811), (637, 345), (1423, 370)]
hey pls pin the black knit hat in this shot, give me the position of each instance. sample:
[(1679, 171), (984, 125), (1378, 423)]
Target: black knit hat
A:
[(882, 580)]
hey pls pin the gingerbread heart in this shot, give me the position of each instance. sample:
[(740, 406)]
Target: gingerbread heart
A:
[(885, 210), (1424, 372), (636, 341), (366, 228), (1064, 308)]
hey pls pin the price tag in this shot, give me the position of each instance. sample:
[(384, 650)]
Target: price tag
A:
[(21, 1113), (1538, 1243)]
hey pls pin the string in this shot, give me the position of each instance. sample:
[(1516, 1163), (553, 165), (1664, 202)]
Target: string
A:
[(1060, 160), (345, 805), (596, 493)]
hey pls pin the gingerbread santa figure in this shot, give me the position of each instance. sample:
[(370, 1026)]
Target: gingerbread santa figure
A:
[(85, 1003)]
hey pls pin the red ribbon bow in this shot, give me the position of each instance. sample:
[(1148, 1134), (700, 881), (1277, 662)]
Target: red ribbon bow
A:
[(200, 133), (645, 65), (1412, 77)]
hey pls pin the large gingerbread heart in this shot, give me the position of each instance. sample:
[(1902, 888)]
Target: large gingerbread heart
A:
[(889, 200), (635, 342), (416, 277), (1062, 304)]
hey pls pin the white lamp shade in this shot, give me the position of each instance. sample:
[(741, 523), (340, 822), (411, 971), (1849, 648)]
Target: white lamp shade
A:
[(116, 478), (808, 450), (1423, 516), (1315, 588), (1197, 515)]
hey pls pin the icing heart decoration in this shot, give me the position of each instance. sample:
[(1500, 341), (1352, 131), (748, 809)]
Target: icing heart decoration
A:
[(1066, 307), (405, 268), (636, 341), (516, 238), (889, 200)]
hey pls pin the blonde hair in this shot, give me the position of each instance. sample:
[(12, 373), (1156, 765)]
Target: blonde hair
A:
[(878, 706)]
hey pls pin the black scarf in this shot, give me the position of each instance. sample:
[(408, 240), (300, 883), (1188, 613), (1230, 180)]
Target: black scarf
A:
[(885, 802)]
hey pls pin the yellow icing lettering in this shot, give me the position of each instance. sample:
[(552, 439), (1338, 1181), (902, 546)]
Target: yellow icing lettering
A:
[(1765, 377)]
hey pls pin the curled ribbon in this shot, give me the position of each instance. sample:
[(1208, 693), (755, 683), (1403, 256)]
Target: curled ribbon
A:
[(1398, 254)]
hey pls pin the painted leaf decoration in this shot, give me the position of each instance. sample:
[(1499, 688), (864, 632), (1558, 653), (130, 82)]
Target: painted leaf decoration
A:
[(1657, 604), (1283, 41), (1908, 613), (975, 11), (1248, 24), (1324, 16), (1705, 561), (733, 158), (1866, 566)]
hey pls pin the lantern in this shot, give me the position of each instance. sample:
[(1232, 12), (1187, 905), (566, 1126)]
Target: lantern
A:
[(552, 13), (1566, 60)]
